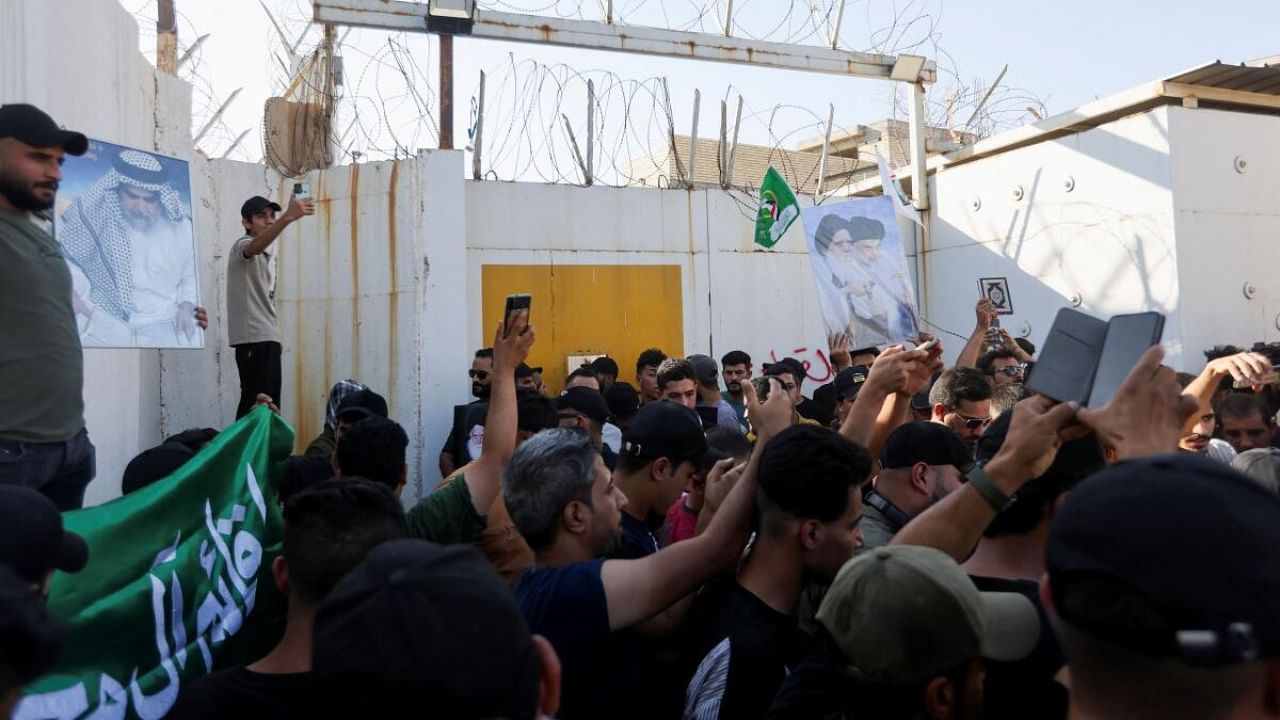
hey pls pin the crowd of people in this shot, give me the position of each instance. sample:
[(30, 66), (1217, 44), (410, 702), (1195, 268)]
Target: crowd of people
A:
[(715, 540)]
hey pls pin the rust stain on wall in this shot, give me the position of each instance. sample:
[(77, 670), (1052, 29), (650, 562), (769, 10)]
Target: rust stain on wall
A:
[(393, 302), (355, 264)]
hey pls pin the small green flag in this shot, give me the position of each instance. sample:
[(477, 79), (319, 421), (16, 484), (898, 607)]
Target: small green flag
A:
[(178, 582), (778, 209)]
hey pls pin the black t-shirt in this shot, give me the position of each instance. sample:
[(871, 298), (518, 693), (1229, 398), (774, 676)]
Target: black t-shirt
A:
[(465, 417), (636, 541), (816, 412), (739, 651), (1025, 688), (243, 694), (817, 689)]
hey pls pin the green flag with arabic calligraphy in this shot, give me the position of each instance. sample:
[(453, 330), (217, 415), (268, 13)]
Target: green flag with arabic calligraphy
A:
[(778, 209), (178, 582)]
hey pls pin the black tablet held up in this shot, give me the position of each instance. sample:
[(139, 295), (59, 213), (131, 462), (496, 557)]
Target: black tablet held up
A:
[(1086, 359)]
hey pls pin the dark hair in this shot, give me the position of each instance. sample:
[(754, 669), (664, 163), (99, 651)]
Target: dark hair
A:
[(735, 357), (585, 371), (194, 439), (545, 474), (605, 365), (374, 448), (957, 385), (652, 357), (1184, 379), (1075, 461), (1118, 638), (485, 353), (1005, 396), (1027, 346), (153, 465), (675, 369), (988, 359), (806, 472), (783, 368), (330, 527), (1242, 405), (535, 412), (730, 441)]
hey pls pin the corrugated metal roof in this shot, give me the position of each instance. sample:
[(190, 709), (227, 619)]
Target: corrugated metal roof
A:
[(1264, 79)]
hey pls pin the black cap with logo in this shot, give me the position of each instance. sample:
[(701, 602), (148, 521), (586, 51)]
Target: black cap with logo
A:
[(362, 403), (34, 127), (255, 205)]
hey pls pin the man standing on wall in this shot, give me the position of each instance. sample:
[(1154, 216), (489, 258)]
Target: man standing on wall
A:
[(43, 443), (251, 316)]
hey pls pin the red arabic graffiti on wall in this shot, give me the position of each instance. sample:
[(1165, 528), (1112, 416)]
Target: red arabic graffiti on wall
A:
[(816, 365)]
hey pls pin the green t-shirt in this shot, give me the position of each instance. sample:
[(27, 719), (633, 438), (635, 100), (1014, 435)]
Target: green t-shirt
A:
[(41, 363), (446, 516)]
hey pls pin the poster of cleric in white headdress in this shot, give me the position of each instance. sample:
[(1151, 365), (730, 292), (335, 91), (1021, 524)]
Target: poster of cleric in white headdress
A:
[(124, 221), (861, 272)]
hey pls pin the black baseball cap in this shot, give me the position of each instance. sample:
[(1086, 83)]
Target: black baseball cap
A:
[(849, 381), (255, 205), (1192, 537), (920, 401), (925, 442), (670, 430), (34, 127), (365, 403), (32, 539), (418, 621), (153, 465), (705, 368), (584, 400), (524, 371), (623, 400)]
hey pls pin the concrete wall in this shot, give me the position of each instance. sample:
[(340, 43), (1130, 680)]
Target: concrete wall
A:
[(1226, 168), (1085, 220)]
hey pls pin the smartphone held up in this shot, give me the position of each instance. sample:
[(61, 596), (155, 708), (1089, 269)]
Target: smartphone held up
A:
[(515, 303)]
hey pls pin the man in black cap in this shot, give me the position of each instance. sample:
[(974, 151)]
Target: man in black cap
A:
[(663, 450), (707, 375), (524, 377), (585, 409), (1153, 636), (303, 471), (33, 542), (252, 328), (845, 389), (423, 629), (920, 464), (43, 443)]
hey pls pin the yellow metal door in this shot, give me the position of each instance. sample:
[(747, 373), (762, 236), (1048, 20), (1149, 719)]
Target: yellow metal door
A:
[(615, 310)]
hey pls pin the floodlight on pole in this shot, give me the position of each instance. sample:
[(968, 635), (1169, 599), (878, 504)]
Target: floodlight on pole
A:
[(908, 68)]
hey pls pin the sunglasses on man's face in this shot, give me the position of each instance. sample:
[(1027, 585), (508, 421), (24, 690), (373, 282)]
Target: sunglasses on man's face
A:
[(973, 423), (477, 374), (1011, 370)]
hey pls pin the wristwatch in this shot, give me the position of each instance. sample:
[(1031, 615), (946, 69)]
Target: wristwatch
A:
[(986, 487)]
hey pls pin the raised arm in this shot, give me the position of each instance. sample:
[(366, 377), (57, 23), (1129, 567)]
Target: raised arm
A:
[(883, 401), (1245, 367), (639, 589), (986, 314), (510, 348), (296, 210)]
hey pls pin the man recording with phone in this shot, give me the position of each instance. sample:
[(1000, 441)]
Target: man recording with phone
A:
[(252, 327)]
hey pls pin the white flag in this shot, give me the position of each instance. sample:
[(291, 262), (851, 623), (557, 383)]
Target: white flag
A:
[(892, 189)]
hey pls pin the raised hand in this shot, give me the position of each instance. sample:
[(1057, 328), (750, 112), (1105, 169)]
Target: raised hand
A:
[(512, 342), (986, 313), (772, 416), (1148, 412)]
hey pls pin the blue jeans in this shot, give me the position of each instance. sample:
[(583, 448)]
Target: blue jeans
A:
[(60, 470)]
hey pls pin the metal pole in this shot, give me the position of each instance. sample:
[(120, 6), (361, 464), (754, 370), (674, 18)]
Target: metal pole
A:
[(573, 143), (728, 19), (192, 50), (733, 149), (986, 96), (221, 109), (693, 135), (919, 178), (235, 143), (446, 92), (591, 132), (835, 31), (671, 135), (477, 146), (826, 149), (724, 141), (166, 37)]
